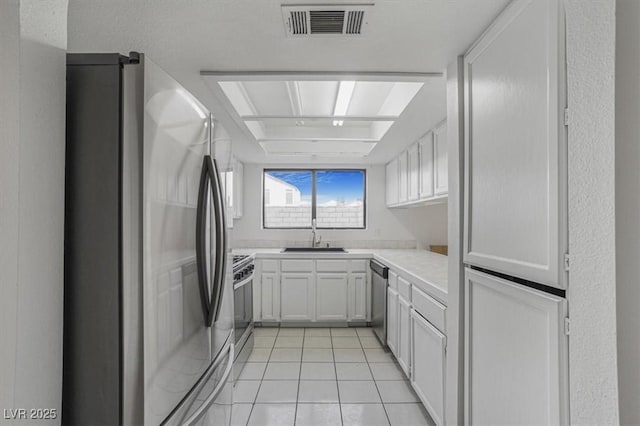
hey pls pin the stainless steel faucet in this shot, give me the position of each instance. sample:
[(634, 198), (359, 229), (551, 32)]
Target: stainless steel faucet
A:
[(314, 243)]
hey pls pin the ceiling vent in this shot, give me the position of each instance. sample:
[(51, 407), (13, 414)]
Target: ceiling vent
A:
[(326, 19)]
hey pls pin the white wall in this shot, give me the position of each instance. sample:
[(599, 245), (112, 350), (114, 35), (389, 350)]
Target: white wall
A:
[(33, 37), (592, 278), (425, 224), (628, 207)]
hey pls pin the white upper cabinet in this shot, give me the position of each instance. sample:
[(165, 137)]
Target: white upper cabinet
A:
[(441, 159), (403, 178), (515, 354), (392, 182), (413, 160), (425, 146), (515, 149), (419, 175)]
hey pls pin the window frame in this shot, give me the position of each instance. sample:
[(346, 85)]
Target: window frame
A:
[(314, 172)]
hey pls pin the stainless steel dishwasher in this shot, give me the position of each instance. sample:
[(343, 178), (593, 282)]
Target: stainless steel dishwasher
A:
[(379, 273)]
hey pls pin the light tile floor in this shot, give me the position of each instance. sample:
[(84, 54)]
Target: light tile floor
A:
[(323, 377)]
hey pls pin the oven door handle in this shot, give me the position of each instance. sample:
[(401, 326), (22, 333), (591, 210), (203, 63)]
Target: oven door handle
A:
[(244, 282)]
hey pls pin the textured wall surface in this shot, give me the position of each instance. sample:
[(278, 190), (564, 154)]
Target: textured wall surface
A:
[(628, 207), (32, 186), (9, 215), (592, 298)]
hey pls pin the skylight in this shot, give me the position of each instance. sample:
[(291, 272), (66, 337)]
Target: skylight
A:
[(317, 116)]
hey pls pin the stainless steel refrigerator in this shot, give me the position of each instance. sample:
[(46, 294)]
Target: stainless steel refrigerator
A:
[(148, 334)]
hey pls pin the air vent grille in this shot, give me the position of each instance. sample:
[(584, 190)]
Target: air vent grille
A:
[(354, 22), (298, 22), (326, 21)]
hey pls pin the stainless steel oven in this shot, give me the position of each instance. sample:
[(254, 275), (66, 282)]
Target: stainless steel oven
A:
[(243, 310)]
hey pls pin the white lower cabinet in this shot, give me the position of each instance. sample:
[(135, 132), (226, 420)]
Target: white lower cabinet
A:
[(515, 353), (357, 297), (296, 296), (270, 296), (404, 335), (302, 290), (392, 320), (428, 369), (331, 296)]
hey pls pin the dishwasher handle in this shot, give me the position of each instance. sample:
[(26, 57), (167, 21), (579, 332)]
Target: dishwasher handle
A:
[(379, 269)]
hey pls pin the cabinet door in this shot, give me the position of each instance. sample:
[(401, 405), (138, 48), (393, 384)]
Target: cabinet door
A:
[(296, 297), (392, 320), (404, 335), (403, 177), (357, 296), (428, 368), (441, 160), (426, 166), (392, 182), (270, 296), (515, 353), (515, 150), (238, 189), (413, 159), (331, 296)]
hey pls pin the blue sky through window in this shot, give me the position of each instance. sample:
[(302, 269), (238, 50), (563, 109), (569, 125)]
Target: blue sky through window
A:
[(341, 186), (301, 180)]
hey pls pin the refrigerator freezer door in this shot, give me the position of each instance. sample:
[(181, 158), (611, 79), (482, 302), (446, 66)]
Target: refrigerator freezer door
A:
[(209, 403), (177, 344)]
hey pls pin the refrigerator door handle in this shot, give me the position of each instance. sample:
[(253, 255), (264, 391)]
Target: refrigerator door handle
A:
[(221, 244), (201, 238), (216, 392)]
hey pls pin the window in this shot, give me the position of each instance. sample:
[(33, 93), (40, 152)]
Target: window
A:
[(334, 197)]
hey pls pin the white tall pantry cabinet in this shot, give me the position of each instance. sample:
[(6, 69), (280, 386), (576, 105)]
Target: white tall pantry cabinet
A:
[(515, 219), (515, 149), (515, 368)]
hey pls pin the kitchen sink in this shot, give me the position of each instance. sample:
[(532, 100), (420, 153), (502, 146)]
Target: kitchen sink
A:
[(314, 250)]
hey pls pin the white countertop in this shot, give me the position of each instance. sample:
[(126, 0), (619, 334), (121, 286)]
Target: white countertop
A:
[(427, 270)]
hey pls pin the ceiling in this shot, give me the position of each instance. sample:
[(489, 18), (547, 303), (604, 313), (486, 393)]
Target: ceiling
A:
[(246, 36)]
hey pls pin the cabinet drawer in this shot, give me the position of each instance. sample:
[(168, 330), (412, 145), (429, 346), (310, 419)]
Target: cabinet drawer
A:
[(331, 265), (359, 265), (404, 289), (269, 265), (429, 308), (297, 265), (393, 280)]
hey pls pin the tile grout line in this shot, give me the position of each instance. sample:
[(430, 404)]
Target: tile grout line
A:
[(335, 369), (375, 382), (295, 412), (263, 374)]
